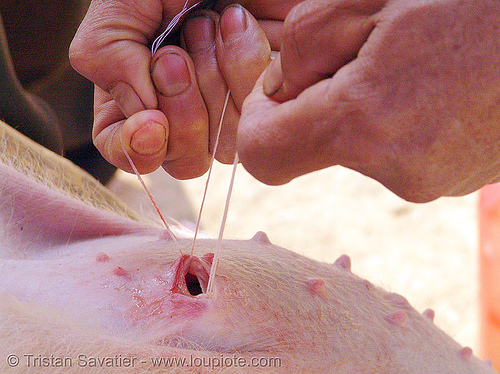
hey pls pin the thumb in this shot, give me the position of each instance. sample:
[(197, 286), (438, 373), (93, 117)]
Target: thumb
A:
[(322, 127), (319, 37), (110, 49), (277, 141)]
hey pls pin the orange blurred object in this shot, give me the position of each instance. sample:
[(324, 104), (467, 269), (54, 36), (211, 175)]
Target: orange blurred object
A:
[(489, 262)]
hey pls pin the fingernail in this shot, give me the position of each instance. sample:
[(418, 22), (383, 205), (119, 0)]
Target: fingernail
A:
[(199, 33), (126, 98), (171, 74), (233, 23), (273, 78), (149, 139)]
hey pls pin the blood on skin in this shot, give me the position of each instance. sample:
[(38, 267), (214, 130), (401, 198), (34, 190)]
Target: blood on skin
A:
[(139, 301), (176, 291), (167, 304), (191, 275), (208, 258)]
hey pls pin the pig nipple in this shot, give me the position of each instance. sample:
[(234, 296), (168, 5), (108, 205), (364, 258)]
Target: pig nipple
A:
[(102, 257), (316, 287), (343, 262), (465, 353)]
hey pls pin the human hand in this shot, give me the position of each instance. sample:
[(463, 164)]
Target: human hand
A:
[(407, 93), (165, 108)]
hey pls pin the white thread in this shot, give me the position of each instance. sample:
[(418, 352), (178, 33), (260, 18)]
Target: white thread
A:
[(228, 94), (215, 261), (171, 25), (132, 165), (154, 47)]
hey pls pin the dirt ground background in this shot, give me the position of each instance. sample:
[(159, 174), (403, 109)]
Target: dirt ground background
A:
[(428, 253)]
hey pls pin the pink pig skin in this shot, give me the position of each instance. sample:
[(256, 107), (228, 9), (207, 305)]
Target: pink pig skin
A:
[(80, 281)]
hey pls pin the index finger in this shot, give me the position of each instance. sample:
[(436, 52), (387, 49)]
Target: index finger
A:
[(110, 49)]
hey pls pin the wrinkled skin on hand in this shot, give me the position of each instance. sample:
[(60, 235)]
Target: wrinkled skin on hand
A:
[(404, 92), (407, 93), (166, 108), (82, 282)]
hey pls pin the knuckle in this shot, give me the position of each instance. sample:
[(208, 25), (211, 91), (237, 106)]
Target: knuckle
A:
[(306, 20), (77, 55), (295, 25), (303, 57), (81, 57)]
